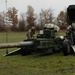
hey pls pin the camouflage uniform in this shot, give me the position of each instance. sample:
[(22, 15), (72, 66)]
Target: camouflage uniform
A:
[(71, 29), (31, 33), (50, 25)]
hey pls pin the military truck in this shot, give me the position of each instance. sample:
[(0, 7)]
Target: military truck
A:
[(69, 42)]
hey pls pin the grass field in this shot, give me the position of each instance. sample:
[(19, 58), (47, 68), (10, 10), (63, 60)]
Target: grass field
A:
[(35, 64)]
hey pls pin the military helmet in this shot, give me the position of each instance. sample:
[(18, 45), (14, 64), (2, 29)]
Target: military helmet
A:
[(33, 27), (73, 25)]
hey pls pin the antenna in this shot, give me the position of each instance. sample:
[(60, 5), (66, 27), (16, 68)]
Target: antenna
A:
[(6, 29)]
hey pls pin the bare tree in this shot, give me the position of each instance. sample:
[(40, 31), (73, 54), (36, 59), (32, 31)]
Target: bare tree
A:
[(22, 23), (12, 16), (2, 21), (41, 21), (47, 15), (30, 17), (51, 17), (62, 19)]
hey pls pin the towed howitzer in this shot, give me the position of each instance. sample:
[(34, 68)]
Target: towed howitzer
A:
[(45, 42)]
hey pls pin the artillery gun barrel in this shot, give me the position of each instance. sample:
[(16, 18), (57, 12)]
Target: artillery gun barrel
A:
[(17, 44)]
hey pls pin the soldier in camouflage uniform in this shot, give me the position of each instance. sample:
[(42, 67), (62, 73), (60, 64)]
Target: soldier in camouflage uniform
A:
[(71, 29), (31, 33)]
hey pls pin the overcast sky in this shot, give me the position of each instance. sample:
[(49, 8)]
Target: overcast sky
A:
[(21, 5)]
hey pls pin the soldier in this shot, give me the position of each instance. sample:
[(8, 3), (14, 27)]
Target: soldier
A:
[(31, 33), (71, 30)]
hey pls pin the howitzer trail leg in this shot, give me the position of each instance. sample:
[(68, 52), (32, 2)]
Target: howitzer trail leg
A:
[(17, 51)]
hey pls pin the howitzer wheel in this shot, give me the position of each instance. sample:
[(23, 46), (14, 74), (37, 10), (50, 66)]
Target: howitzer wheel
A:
[(66, 48), (25, 51)]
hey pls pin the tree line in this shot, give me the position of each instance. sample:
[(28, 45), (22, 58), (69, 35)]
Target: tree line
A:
[(10, 21)]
